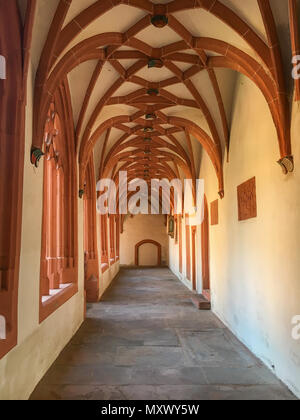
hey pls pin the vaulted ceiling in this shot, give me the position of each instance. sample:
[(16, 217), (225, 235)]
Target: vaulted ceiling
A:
[(152, 82)]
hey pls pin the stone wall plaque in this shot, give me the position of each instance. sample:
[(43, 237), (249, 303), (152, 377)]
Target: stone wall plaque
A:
[(247, 206), (214, 213)]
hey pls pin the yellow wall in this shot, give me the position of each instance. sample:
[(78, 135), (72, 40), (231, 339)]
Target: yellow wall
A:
[(39, 345), (255, 264), (139, 228), (148, 255)]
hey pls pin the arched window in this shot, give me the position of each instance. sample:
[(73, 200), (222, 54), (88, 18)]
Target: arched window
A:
[(112, 238), (205, 252), (91, 262), (59, 231), (188, 249), (104, 244), (117, 237)]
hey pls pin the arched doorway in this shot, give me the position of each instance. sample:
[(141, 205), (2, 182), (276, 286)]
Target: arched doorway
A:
[(205, 252), (147, 241)]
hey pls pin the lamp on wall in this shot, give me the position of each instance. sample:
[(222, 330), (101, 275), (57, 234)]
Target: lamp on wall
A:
[(287, 164), (35, 156), (171, 227)]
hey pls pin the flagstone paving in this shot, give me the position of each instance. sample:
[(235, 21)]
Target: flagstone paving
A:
[(145, 340)]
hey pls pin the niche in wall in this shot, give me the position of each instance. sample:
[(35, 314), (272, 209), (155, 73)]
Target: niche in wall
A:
[(144, 242), (59, 254)]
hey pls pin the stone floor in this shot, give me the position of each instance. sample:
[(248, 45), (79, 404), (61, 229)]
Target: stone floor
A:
[(146, 340)]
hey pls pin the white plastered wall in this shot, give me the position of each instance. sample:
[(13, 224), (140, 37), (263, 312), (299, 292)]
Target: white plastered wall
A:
[(255, 265), (139, 228)]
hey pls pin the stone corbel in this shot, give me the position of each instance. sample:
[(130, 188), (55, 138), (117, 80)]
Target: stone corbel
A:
[(35, 156), (221, 194), (287, 164)]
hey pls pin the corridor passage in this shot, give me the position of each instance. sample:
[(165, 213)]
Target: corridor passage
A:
[(146, 340)]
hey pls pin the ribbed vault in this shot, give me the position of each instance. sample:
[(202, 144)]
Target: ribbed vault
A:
[(152, 82)]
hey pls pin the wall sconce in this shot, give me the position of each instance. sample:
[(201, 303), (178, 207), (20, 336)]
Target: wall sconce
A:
[(35, 156), (171, 227), (287, 164)]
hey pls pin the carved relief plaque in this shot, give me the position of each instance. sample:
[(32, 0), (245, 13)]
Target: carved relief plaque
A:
[(214, 213), (247, 205)]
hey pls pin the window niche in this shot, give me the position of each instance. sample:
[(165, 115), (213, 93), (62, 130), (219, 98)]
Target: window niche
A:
[(104, 242), (112, 238), (91, 262), (117, 237), (59, 265)]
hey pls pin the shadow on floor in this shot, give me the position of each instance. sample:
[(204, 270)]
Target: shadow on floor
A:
[(146, 341)]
